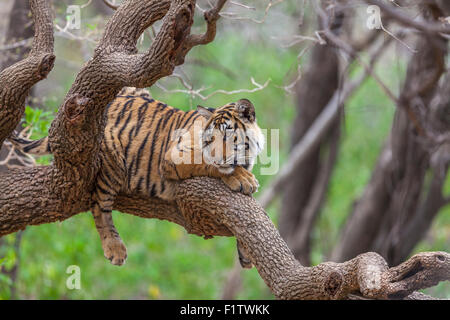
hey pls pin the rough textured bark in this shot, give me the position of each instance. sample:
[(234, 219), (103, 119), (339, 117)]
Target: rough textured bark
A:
[(299, 202), (206, 207), (203, 206), (19, 29), (399, 204)]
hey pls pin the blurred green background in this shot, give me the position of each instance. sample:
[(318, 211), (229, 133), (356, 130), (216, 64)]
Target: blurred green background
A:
[(164, 262)]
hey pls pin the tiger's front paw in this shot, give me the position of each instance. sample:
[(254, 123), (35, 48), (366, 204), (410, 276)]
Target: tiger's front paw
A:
[(114, 250), (241, 180)]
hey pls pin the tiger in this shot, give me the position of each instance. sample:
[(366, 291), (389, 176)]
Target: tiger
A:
[(148, 147)]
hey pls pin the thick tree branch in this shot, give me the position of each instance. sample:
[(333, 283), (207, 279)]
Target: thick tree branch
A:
[(17, 80), (206, 207)]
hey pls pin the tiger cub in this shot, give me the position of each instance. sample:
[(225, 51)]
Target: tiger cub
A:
[(148, 146)]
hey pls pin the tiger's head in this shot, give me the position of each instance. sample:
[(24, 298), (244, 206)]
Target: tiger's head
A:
[(231, 137)]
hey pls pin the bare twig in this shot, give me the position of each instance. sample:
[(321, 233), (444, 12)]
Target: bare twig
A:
[(18, 44), (399, 16), (110, 5), (235, 16), (313, 136), (198, 92)]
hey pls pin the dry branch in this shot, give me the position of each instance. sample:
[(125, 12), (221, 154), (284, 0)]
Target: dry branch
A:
[(398, 15)]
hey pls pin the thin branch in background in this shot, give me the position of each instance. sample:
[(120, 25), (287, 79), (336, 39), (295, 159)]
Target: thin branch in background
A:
[(196, 5), (400, 17), (18, 44), (242, 5), (197, 93), (289, 88), (347, 48), (110, 5), (235, 16), (86, 4), (296, 39), (397, 38), (315, 132), (65, 33)]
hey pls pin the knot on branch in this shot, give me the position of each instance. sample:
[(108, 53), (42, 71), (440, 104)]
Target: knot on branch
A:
[(211, 16), (46, 65), (183, 22), (74, 107), (333, 284)]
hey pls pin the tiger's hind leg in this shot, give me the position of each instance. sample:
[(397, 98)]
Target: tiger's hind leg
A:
[(113, 246), (106, 190)]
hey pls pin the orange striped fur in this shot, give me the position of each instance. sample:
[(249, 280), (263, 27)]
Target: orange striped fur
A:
[(143, 143)]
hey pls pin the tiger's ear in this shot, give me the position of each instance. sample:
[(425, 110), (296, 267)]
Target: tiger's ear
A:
[(246, 110), (205, 112)]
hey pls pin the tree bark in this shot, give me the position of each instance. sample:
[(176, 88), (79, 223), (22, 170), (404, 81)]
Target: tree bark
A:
[(303, 194), (19, 29), (398, 204)]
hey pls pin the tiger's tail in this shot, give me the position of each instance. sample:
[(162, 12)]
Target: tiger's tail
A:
[(37, 147)]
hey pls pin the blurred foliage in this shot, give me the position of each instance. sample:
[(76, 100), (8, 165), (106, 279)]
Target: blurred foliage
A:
[(164, 262)]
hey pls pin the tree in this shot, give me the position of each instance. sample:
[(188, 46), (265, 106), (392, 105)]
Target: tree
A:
[(203, 206), (399, 202), (18, 33)]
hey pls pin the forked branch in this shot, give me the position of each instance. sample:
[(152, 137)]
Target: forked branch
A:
[(17, 80)]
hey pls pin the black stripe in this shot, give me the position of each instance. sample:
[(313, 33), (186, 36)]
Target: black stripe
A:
[(163, 150), (139, 154), (152, 150), (108, 106), (193, 121), (149, 128), (129, 172), (109, 173), (122, 112), (106, 179), (227, 113), (189, 118), (33, 145), (22, 141), (130, 133), (153, 192), (105, 192), (164, 145), (139, 185), (124, 125), (168, 115), (178, 120), (169, 135), (161, 105), (141, 116), (149, 100)]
